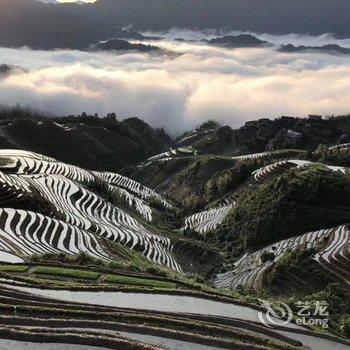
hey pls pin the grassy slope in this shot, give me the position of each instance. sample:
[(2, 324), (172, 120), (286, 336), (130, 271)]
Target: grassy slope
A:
[(56, 271)]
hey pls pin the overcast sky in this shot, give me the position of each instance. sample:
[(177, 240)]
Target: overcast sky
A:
[(74, 0), (53, 1), (181, 90)]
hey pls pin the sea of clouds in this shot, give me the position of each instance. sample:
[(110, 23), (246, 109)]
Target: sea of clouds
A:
[(179, 91)]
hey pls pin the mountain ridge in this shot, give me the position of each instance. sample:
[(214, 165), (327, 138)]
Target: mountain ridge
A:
[(78, 26), (19, 21), (101, 144), (266, 16)]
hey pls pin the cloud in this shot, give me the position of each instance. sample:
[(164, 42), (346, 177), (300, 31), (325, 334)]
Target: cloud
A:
[(179, 92), (282, 39)]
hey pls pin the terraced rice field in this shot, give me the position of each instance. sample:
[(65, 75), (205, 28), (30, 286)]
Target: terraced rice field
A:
[(132, 186), (282, 152), (140, 315), (334, 257), (208, 220), (66, 338), (194, 135), (133, 201), (172, 153), (98, 307), (157, 157), (170, 343), (24, 233), (21, 345), (33, 165), (341, 146), (182, 325), (11, 258), (20, 153), (64, 187), (79, 276), (268, 171)]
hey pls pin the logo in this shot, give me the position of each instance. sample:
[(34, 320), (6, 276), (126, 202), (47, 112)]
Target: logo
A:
[(309, 313), (280, 315)]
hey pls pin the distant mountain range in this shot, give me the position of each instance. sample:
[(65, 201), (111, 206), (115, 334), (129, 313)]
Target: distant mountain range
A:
[(272, 16), (248, 40), (70, 25), (331, 49), (45, 26)]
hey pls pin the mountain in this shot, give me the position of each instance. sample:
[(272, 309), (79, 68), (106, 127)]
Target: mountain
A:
[(123, 45), (44, 26), (100, 144), (111, 144), (7, 69), (330, 49), (248, 40), (270, 16), (238, 41), (86, 253), (177, 236)]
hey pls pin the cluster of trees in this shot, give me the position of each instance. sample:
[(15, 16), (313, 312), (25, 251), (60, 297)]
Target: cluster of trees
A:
[(217, 187), (150, 141), (100, 143), (299, 201), (336, 156), (296, 274), (230, 180), (345, 326), (18, 112), (21, 112), (297, 265)]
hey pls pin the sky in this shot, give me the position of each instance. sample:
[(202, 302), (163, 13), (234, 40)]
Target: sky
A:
[(54, 1), (76, 0), (179, 91)]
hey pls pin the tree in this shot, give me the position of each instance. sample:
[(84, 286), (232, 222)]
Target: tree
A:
[(111, 117)]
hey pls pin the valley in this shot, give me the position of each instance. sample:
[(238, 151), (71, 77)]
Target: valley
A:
[(177, 249)]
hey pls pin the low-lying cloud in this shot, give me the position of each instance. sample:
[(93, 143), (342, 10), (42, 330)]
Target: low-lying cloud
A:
[(283, 39), (179, 92)]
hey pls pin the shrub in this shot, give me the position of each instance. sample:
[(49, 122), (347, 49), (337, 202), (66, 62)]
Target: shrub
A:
[(156, 203), (267, 256)]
